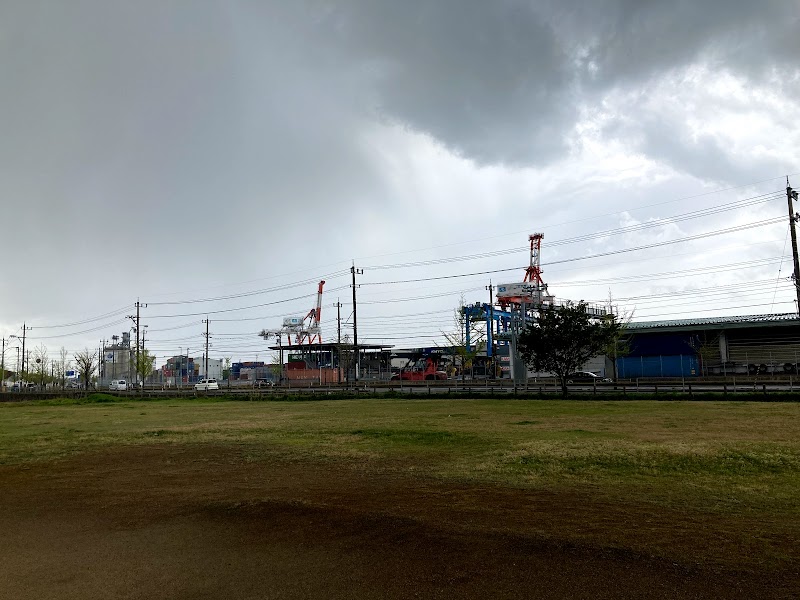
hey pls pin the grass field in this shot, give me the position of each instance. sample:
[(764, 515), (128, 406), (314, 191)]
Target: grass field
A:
[(650, 497), (711, 456)]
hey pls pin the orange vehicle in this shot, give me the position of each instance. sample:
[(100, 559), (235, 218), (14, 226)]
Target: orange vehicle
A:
[(423, 369)]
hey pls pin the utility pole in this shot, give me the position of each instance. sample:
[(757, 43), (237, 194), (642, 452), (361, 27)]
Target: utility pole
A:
[(355, 272), (137, 342), (206, 357), (135, 320), (24, 329), (144, 331), (793, 218), (338, 306), (3, 367), (490, 341)]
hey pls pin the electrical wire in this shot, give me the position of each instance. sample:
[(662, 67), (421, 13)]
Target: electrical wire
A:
[(713, 233)]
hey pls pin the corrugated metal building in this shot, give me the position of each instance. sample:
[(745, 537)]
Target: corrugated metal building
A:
[(753, 344)]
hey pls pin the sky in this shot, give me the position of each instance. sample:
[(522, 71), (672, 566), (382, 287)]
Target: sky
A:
[(216, 160)]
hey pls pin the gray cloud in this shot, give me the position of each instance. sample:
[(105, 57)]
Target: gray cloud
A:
[(489, 80), (152, 147), (503, 81)]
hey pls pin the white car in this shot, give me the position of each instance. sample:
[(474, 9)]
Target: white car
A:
[(206, 384), (119, 385)]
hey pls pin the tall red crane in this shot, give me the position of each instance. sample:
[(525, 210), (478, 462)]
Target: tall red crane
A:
[(311, 333), (532, 291)]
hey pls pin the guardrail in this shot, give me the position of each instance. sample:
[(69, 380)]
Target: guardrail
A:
[(730, 388)]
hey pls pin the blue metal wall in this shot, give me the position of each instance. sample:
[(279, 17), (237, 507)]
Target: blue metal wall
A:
[(663, 344), (681, 365)]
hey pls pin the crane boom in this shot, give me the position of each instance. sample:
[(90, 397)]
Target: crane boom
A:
[(311, 333)]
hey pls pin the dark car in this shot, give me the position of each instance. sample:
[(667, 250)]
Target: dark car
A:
[(260, 383), (586, 377)]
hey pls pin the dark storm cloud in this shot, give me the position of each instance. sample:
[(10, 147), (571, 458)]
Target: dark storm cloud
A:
[(504, 81), (488, 79), (636, 40)]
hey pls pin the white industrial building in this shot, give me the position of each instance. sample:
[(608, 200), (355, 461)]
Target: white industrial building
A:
[(214, 369)]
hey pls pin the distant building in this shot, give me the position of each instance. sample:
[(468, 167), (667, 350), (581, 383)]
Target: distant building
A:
[(117, 361), (214, 369), (753, 345)]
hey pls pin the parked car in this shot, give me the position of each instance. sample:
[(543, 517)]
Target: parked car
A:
[(261, 383), (586, 377), (118, 385), (206, 384)]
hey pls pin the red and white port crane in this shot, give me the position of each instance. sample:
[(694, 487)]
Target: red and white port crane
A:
[(306, 330), (532, 291), (311, 333)]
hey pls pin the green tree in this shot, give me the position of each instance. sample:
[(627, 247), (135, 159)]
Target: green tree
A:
[(144, 366), (85, 362), (561, 339)]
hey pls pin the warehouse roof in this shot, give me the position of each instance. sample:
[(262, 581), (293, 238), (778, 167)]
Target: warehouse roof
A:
[(719, 322)]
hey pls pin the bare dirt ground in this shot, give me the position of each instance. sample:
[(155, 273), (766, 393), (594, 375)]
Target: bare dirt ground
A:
[(201, 522)]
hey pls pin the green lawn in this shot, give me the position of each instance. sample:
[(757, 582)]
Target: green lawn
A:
[(738, 457)]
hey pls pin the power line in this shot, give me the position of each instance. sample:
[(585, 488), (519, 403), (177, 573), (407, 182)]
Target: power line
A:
[(250, 293), (713, 233), (584, 219), (228, 310), (598, 234)]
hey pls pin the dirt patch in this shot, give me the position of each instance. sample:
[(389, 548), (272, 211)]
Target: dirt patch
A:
[(202, 522)]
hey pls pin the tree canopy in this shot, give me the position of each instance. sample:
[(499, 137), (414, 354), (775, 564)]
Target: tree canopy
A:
[(562, 339), (86, 363), (145, 364)]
